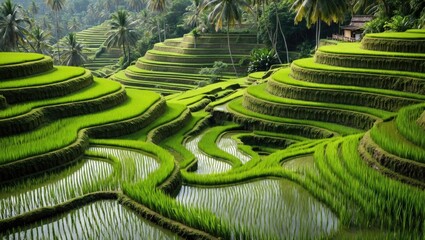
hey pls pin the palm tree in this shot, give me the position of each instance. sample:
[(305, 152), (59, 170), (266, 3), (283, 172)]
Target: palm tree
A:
[(315, 11), (12, 27), (73, 53), (56, 6), (158, 6), (229, 12), (191, 17), (135, 5), (122, 33), (41, 40), (33, 9)]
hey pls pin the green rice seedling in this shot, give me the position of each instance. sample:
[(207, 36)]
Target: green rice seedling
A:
[(309, 63), (236, 106), (57, 74), (172, 112), (227, 144), (15, 58), (165, 159), (226, 99), (99, 88), (354, 49), (102, 219), (387, 136), (136, 166), (208, 144), (64, 132), (408, 126), (206, 164), (259, 92), (89, 178), (265, 208)]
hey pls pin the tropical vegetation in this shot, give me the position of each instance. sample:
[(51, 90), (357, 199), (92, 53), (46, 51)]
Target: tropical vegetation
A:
[(330, 146)]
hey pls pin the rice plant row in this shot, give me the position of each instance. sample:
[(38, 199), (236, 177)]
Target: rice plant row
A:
[(265, 209), (91, 177), (229, 145), (99, 220), (99, 88), (206, 164), (135, 165), (63, 132)]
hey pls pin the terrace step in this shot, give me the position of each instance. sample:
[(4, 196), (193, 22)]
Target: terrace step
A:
[(121, 77), (400, 166), (282, 85), (352, 56), (22, 64), (182, 58), (58, 82), (198, 51), (251, 120), (44, 151), (395, 42), (307, 70), (96, 98), (259, 100)]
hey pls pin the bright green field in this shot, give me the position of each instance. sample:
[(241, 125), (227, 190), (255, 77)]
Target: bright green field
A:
[(224, 161)]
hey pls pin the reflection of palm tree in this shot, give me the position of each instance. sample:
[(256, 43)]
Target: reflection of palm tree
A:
[(122, 33), (12, 30), (158, 6), (229, 11), (40, 40), (73, 54), (56, 6), (315, 11)]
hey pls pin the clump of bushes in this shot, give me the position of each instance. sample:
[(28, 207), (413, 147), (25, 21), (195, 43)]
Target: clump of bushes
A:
[(216, 72)]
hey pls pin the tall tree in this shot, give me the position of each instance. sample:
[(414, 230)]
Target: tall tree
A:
[(135, 5), (228, 12), (56, 6), (73, 51), (122, 33), (158, 6), (33, 9), (13, 32), (40, 40), (315, 11)]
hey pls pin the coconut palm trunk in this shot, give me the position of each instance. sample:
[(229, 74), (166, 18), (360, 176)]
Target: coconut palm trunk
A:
[(230, 50)]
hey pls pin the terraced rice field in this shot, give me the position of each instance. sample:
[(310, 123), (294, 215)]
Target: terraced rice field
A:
[(173, 66), (81, 224), (330, 147)]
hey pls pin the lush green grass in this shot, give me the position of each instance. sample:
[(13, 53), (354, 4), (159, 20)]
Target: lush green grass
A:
[(58, 74), (260, 93), (208, 144), (360, 195), (236, 106), (387, 136), (99, 88), (283, 76), (64, 132), (7, 58), (397, 35), (355, 49), (172, 111), (408, 125), (310, 64)]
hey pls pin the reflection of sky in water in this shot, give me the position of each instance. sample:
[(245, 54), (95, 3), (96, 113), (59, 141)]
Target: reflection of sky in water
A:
[(99, 220), (227, 144), (276, 208), (206, 164), (135, 165), (56, 192)]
